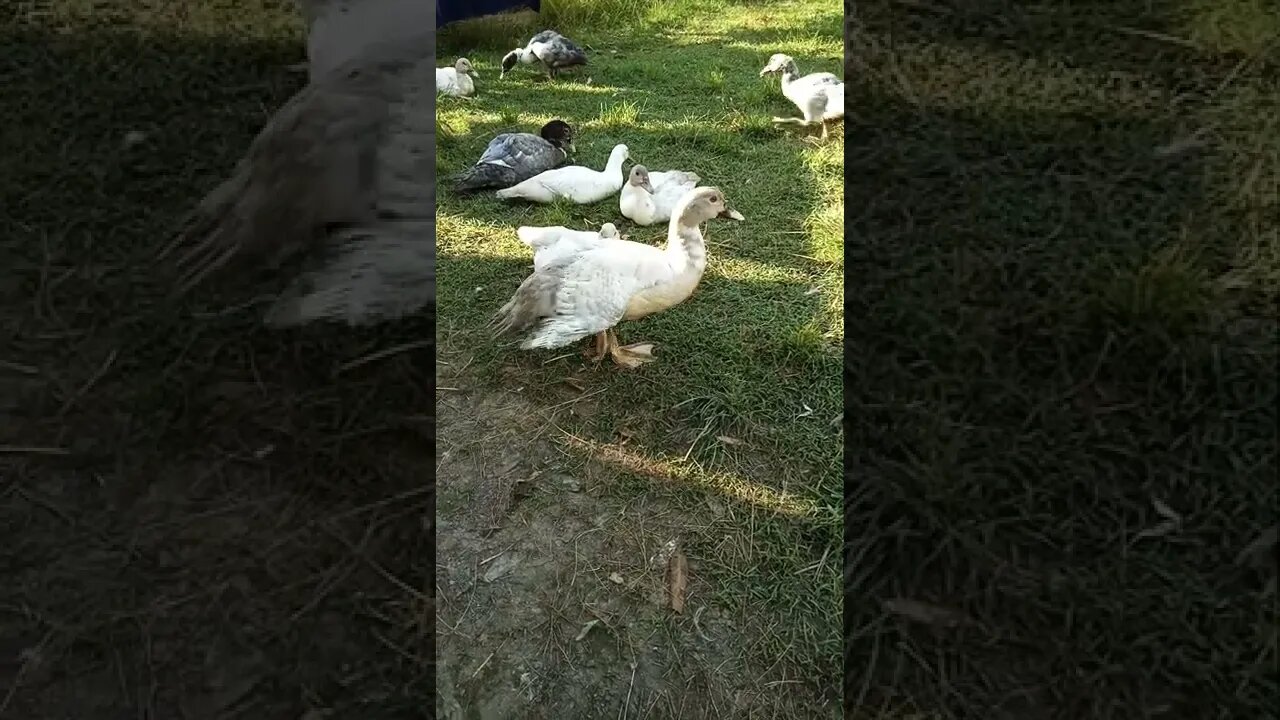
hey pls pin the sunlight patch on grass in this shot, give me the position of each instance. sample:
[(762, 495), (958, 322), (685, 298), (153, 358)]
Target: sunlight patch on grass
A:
[(667, 469), (825, 228), (619, 114)]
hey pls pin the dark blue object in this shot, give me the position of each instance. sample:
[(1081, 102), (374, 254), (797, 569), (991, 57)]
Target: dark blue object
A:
[(448, 11)]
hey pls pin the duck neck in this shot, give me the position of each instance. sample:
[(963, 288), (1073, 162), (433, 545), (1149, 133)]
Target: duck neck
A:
[(615, 164), (685, 247), (790, 74)]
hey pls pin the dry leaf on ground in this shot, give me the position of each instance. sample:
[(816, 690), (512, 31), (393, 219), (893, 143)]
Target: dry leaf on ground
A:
[(677, 580)]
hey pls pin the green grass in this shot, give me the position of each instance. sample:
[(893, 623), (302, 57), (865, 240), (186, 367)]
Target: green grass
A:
[(1062, 310), (754, 355)]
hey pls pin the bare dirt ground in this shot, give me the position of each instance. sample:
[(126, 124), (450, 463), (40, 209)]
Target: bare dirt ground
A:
[(553, 590)]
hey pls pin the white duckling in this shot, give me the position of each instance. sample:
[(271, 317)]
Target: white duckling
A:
[(648, 197), (577, 294), (578, 184), (457, 80), (820, 95)]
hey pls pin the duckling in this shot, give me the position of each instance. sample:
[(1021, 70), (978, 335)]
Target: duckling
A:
[(589, 288), (336, 190), (648, 197), (820, 95), (574, 183), (549, 47), (513, 157), (457, 80)]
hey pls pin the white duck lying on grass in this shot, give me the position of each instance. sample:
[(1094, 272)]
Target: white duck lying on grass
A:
[(457, 80), (575, 183), (553, 243), (820, 95), (648, 197), (587, 288)]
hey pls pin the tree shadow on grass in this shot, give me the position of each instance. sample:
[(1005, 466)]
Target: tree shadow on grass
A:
[(199, 513), (1035, 357), (1149, 39)]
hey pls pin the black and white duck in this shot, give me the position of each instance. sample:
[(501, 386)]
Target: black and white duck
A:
[(512, 158), (555, 51)]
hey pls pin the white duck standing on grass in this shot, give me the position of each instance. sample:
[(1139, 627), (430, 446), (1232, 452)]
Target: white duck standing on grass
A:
[(648, 197), (575, 183), (549, 47), (586, 288), (820, 95), (456, 81)]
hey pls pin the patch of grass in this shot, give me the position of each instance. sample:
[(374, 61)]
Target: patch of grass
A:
[(754, 355), (1061, 326), (197, 491)]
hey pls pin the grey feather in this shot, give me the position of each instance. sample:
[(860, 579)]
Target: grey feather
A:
[(510, 158), (339, 185)]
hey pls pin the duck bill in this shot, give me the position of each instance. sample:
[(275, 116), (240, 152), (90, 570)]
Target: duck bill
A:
[(731, 214), (764, 72), (571, 147), (647, 186)]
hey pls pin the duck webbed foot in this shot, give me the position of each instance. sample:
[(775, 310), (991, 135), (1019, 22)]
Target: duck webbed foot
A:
[(634, 355), (596, 352)]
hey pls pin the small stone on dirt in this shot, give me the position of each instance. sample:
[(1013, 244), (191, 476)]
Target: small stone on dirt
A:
[(570, 483), (501, 566), (615, 578)]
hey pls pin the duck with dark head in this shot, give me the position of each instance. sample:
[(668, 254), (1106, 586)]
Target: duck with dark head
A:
[(512, 158)]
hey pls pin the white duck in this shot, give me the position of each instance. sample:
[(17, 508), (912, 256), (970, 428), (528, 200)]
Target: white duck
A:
[(820, 95), (575, 183), (457, 80), (648, 197), (551, 244), (591, 287)]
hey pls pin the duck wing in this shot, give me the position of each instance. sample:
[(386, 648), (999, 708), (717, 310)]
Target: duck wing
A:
[(676, 178), (559, 52), (542, 37), (338, 181), (446, 80), (594, 288), (555, 246), (525, 153), (820, 79)]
